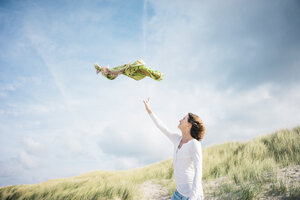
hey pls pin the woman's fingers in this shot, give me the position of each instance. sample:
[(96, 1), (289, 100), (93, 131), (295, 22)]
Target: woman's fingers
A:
[(146, 102), (148, 99), (146, 105)]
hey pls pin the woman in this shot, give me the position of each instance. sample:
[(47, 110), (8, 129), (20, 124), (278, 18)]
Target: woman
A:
[(138, 70), (187, 157)]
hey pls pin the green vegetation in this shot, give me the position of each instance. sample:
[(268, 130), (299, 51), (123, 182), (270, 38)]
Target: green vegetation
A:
[(248, 166)]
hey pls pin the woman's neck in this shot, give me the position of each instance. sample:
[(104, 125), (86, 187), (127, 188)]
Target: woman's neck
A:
[(186, 137)]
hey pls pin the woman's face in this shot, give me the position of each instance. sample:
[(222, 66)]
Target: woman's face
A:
[(183, 123)]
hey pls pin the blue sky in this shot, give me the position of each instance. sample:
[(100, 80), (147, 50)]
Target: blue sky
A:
[(233, 63)]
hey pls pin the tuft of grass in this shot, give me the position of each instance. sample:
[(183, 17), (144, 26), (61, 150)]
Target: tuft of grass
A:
[(226, 188), (278, 187), (283, 146), (248, 192), (294, 192)]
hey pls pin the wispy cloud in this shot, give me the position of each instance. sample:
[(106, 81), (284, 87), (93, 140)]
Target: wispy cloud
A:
[(33, 147), (27, 160), (45, 48)]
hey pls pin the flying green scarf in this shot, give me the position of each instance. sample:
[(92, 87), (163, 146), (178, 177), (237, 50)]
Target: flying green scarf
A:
[(137, 70)]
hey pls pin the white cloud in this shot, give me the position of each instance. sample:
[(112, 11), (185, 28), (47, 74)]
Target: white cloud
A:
[(39, 108), (32, 108), (8, 87), (27, 160), (126, 163), (18, 82), (32, 146), (74, 145)]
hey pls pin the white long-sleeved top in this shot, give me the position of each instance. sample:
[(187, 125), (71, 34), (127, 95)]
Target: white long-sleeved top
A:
[(187, 162)]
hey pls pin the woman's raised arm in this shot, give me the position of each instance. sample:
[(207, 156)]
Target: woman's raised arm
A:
[(172, 136)]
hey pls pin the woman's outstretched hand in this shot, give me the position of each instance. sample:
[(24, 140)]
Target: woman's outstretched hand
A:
[(146, 102)]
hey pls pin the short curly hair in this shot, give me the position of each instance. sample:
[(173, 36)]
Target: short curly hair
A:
[(197, 129)]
